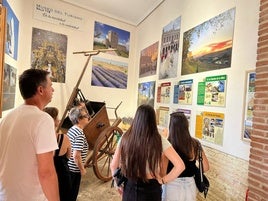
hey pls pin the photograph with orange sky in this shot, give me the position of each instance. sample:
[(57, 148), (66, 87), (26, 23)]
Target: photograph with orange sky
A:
[(148, 60), (208, 46)]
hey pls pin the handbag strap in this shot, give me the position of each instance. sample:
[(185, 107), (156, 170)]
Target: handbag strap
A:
[(200, 160)]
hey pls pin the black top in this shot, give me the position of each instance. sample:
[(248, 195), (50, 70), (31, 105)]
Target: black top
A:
[(190, 168)]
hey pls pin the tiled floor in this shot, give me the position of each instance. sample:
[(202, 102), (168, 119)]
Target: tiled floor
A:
[(227, 175)]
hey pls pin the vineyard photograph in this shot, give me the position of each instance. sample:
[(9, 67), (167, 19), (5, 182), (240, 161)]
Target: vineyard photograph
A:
[(109, 73)]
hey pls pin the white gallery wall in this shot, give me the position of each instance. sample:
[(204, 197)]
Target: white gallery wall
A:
[(78, 40), (193, 13)]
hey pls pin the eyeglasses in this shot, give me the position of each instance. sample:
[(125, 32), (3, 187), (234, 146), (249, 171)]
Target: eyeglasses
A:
[(85, 116)]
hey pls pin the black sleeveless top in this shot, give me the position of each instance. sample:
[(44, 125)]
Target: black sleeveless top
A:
[(190, 168), (59, 160)]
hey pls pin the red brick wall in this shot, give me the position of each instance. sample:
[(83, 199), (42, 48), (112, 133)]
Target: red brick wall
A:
[(258, 160)]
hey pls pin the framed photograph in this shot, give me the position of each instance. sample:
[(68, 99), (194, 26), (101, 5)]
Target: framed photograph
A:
[(106, 36), (9, 87), (248, 104), (146, 93), (12, 32), (169, 51), (209, 45), (109, 73), (2, 51), (49, 51), (148, 60)]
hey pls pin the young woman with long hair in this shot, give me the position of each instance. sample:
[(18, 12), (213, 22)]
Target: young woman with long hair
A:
[(139, 155), (183, 188)]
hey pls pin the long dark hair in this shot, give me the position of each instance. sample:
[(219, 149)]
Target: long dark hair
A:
[(180, 138), (141, 145)]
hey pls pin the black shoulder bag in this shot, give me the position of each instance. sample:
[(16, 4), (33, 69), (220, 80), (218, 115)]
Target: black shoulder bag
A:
[(118, 178), (201, 180)]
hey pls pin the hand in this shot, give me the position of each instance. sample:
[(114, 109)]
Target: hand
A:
[(161, 180), (165, 132), (83, 171), (120, 190)]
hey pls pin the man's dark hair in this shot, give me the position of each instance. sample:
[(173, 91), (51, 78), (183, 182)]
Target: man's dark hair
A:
[(30, 80)]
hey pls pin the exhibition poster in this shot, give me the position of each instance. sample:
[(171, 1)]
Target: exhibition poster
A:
[(248, 105), (163, 93), (183, 92), (162, 116), (212, 92), (209, 127)]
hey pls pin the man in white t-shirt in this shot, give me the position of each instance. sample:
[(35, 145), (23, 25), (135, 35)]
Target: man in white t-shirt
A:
[(27, 142)]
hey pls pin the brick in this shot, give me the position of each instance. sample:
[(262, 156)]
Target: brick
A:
[(264, 49), (263, 37), (261, 134), (257, 145), (260, 153), (253, 182), (259, 192), (262, 68), (262, 44), (261, 82), (255, 157), (260, 106), (259, 138), (262, 63), (260, 126), (263, 114), (261, 88), (263, 6), (261, 101), (262, 14), (259, 120), (262, 75), (260, 95), (262, 56), (259, 165), (263, 18), (265, 188)]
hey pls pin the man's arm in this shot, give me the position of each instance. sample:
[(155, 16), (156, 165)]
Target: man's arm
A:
[(48, 176)]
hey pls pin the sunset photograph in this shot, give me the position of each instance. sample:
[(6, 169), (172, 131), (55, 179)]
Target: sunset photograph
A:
[(208, 46)]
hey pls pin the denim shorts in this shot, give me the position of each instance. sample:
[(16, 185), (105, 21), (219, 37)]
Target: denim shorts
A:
[(180, 189)]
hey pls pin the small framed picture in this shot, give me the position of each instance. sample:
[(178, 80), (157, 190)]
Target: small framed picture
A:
[(248, 104), (2, 51)]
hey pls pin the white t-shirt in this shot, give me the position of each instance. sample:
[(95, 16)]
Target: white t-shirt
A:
[(24, 132)]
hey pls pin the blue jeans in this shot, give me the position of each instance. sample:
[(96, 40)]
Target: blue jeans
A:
[(180, 189)]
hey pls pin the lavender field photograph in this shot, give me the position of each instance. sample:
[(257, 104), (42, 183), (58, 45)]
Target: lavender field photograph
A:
[(109, 73)]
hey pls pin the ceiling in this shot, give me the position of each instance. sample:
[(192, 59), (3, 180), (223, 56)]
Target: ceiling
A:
[(129, 11)]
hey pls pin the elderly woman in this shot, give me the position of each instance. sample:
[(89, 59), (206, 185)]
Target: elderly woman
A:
[(80, 118)]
